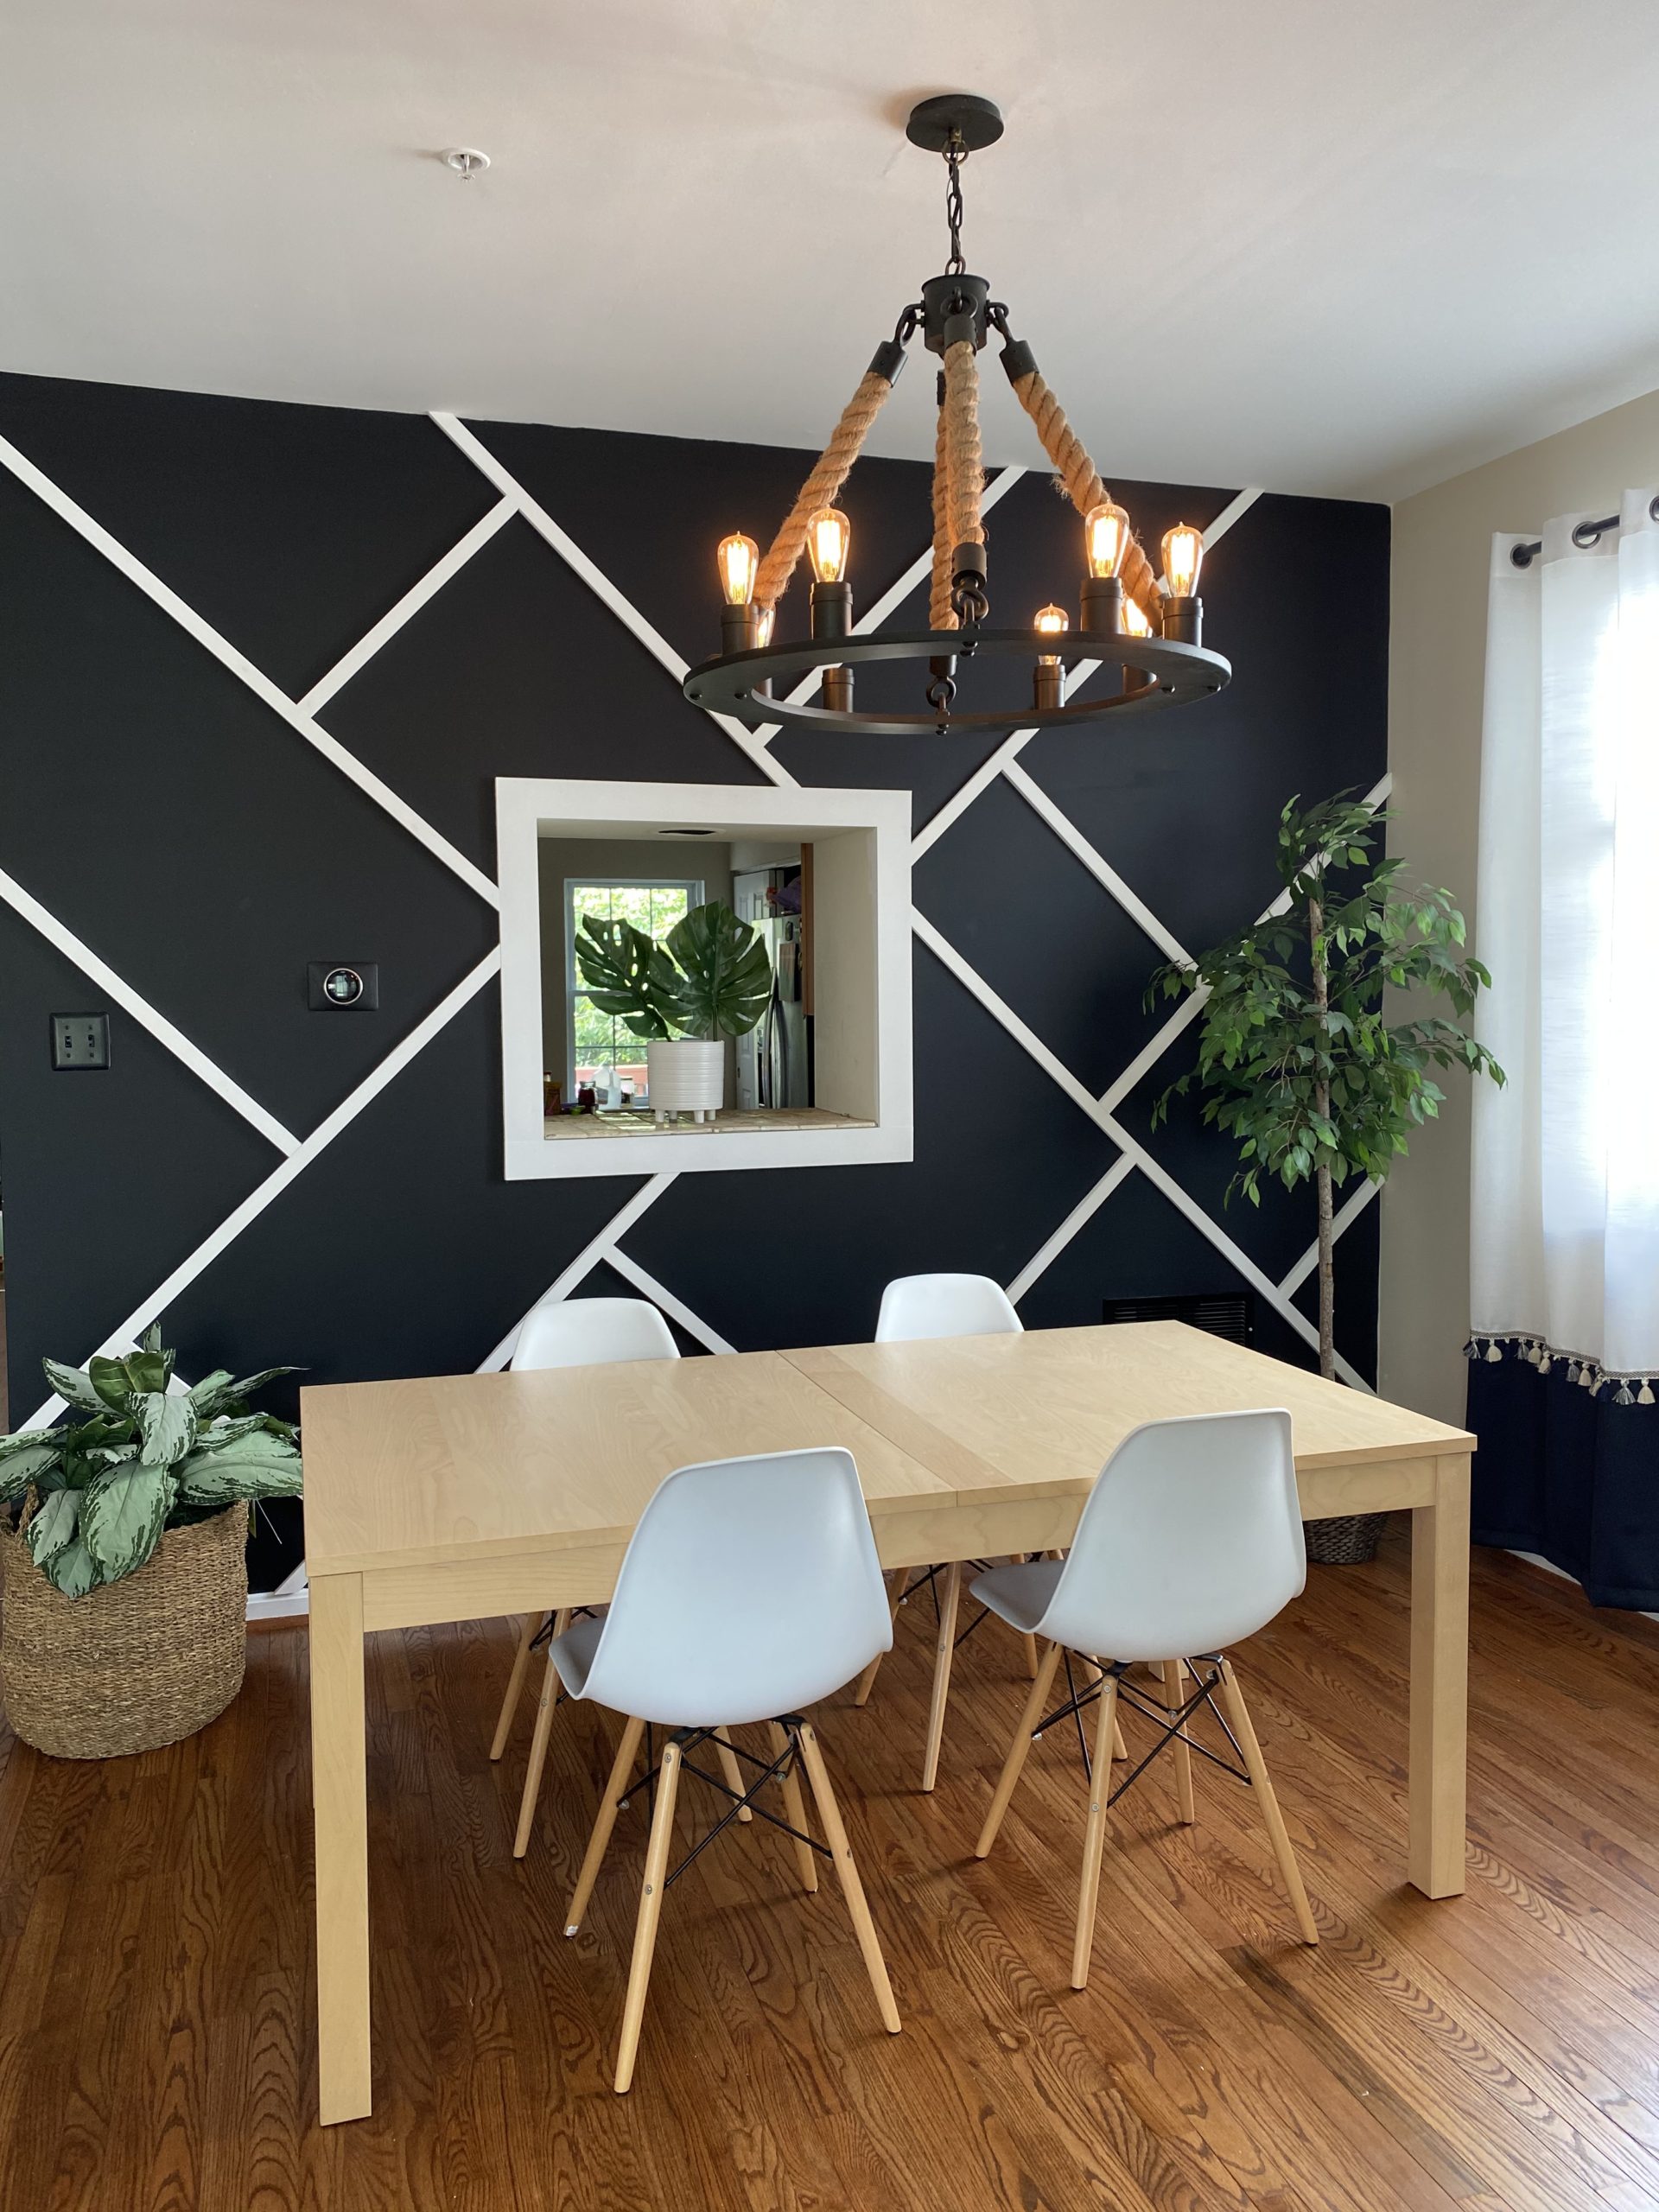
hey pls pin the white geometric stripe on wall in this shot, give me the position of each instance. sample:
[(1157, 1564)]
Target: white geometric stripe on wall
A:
[(606, 1246)]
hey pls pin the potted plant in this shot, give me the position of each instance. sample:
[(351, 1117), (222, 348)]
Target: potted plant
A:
[(709, 979), (122, 1553), (1303, 1068)]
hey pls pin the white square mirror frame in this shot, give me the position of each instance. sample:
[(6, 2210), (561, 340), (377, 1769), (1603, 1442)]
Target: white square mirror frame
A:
[(860, 842)]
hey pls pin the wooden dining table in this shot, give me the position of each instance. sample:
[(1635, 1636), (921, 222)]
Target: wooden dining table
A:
[(465, 1498)]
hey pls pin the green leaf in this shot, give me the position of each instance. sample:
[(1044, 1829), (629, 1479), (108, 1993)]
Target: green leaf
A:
[(247, 1465), (167, 1426), (151, 1339), (124, 1515), (72, 1386), (724, 974), (57, 1524), (615, 962), (73, 1570), (18, 1469)]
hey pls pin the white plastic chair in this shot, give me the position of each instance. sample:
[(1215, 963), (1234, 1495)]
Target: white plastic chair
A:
[(750, 1590), (570, 1332), (914, 1309), (1190, 1540)]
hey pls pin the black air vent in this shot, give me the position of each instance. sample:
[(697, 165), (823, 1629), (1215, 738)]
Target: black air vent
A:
[(1230, 1313)]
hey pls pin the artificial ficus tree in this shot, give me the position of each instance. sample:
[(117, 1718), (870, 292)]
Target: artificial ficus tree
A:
[(1300, 1063)]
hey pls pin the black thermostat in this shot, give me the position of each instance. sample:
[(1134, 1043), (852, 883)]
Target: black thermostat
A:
[(344, 986)]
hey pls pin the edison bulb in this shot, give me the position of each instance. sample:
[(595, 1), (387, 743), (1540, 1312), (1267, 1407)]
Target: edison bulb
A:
[(828, 535), (1106, 537), (764, 618), (1135, 624), (737, 558), (1052, 622), (1183, 558)]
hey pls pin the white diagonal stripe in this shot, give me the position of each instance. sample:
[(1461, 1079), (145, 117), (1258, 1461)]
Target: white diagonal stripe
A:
[(240, 666), (99, 972), (411, 603), (1345, 1217), (659, 1294), (598, 583), (230, 1227), (597, 1248), (1103, 871), (1084, 1211)]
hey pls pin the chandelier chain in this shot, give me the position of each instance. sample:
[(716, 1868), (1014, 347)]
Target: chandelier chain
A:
[(954, 155)]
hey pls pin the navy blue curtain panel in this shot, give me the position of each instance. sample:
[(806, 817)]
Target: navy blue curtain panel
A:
[(1568, 1473)]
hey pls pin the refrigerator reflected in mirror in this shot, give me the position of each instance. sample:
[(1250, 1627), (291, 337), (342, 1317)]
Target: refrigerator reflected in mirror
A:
[(774, 1060)]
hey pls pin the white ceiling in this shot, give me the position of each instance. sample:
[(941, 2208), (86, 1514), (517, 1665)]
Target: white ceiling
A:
[(1318, 245)]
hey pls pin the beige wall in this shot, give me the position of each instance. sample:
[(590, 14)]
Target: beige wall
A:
[(1436, 661)]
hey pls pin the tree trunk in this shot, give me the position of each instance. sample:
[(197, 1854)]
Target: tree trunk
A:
[(1322, 1172)]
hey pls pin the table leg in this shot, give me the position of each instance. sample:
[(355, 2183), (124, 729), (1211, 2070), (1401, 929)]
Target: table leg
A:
[(340, 1799), (944, 1650), (1440, 1682)]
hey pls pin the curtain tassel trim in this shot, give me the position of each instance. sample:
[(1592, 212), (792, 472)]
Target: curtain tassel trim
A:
[(1632, 1389)]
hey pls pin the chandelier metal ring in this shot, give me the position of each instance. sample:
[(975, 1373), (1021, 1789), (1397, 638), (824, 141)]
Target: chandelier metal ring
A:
[(732, 683)]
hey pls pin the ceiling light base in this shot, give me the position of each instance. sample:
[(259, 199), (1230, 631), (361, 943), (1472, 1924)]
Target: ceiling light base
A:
[(971, 121)]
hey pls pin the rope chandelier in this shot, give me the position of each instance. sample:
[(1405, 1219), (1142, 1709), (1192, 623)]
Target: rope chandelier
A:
[(1149, 626)]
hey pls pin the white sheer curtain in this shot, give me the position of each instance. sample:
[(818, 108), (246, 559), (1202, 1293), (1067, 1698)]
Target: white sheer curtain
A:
[(1565, 1198)]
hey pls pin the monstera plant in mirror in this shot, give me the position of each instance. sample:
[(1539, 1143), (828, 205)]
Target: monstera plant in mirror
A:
[(707, 981)]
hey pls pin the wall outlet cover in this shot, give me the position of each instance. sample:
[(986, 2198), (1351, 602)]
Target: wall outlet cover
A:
[(80, 1040), (343, 985)]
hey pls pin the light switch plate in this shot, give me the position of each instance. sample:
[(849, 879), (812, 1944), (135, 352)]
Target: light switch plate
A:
[(80, 1040)]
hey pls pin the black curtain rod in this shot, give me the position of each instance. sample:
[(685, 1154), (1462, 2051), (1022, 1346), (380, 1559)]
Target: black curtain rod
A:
[(1585, 533)]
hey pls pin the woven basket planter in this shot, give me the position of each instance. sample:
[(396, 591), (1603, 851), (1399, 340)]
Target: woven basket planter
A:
[(1349, 1540), (132, 1664)]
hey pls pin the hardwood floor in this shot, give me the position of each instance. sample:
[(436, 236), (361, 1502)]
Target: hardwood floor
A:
[(1499, 2050)]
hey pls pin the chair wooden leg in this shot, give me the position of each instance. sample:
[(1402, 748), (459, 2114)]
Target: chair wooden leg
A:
[(943, 1651), (1012, 1765), (795, 1811), (1120, 1749), (527, 1635), (615, 1788), (550, 1694), (1238, 1713), (1173, 1670), (895, 1598), (730, 1768), (852, 1888), (650, 1907), (1100, 1790)]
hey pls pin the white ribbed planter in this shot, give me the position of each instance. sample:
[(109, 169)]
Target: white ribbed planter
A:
[(686, 1075)]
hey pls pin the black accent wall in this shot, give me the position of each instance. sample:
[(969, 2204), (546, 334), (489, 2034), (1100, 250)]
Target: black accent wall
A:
[(186, 834)]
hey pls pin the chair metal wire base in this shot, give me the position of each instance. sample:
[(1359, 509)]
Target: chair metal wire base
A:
[(1172, 1723), (776, 1769)]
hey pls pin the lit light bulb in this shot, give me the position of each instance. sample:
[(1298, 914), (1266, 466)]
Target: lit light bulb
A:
[(737, 558), (1106, 537), (764, 618), (1052, 622), (1183, 558), (829, 534), (1135, 624)]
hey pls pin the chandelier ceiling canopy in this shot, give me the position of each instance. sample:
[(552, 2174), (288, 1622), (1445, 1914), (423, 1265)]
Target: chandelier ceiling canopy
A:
[(1146, 624)]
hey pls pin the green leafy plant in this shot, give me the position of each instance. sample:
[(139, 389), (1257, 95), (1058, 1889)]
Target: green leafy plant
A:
[(135, 1458), (709, 977), (1302, 1066)]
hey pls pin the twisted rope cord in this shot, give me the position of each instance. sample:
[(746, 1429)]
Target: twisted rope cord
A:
[(829, 475), (941, 615), (965, 473), (1083, 486)]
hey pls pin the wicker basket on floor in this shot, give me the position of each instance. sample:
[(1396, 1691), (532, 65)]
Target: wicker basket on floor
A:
[(132, 1664), (1349, 1540)]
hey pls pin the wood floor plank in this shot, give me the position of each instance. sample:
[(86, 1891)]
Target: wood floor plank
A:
[(1495, 2053)]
